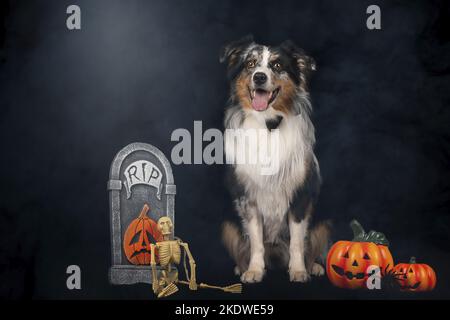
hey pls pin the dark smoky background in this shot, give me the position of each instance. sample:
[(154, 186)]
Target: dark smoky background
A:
[(137, 70)]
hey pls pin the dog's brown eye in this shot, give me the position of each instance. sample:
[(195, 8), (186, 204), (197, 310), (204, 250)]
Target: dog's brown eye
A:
[(251, 64), (277, 66)]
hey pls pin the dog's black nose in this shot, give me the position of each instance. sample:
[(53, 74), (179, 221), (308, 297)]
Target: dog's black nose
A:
[(259, 78)]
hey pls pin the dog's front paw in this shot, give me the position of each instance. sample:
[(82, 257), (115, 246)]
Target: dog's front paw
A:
[(317, 270), (298, 275), (252, 276)]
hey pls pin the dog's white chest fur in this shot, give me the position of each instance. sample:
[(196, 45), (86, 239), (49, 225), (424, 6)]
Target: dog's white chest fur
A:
[(273, 192)]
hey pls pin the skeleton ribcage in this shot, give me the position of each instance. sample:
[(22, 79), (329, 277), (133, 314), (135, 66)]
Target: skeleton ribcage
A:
[(169, 252)]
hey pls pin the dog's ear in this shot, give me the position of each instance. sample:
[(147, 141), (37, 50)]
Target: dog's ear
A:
[(305, 63), (231, 52)]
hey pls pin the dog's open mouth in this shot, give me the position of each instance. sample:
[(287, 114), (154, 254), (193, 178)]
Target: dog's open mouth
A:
[(262, 98)]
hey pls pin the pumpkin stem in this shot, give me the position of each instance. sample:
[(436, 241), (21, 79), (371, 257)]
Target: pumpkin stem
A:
[(358, 230), (359, 235), (412, 260), (144, 211)]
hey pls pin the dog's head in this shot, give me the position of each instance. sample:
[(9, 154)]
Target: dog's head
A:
[(266, 77)]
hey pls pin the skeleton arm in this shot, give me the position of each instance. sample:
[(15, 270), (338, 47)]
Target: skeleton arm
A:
[(155, 280), (192, 279)]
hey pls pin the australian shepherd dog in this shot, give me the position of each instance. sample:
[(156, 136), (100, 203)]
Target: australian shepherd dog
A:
[(269, 91)]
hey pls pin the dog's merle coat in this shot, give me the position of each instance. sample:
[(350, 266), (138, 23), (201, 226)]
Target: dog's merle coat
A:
[(275, 209)]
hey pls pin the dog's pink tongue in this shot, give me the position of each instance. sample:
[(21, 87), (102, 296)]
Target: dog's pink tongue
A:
[(261, 100)]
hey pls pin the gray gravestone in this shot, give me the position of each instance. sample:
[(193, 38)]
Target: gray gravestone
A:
[(140, 173)]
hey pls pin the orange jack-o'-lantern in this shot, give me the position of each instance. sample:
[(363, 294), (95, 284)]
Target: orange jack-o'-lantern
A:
[(414, 276), (141, 232), (347, 261)]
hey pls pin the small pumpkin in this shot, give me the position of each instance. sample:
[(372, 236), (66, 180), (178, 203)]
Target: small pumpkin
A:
[(347, 261), (414, 276), (141, 232)]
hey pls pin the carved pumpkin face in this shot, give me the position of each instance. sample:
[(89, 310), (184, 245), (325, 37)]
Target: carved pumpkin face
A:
[(414, 276), (347, 261), (141, 232)]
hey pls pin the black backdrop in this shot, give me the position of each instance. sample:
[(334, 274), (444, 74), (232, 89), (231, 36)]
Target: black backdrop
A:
[(137, 70)]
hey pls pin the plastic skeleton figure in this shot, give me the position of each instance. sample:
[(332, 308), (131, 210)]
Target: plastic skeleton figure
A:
[(169, 252)]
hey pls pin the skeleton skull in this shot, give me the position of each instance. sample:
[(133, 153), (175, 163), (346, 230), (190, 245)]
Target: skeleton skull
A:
[(165, 226)]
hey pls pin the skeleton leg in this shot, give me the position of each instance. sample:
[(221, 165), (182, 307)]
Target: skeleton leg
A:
[(297, 230), (255, 271), (234, 288)]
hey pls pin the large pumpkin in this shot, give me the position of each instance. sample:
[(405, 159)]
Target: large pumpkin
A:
[(414, 276), (347, 261), (141, 232)]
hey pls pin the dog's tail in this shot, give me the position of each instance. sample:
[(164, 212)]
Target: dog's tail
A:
[(238, 247), (319, 243)]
